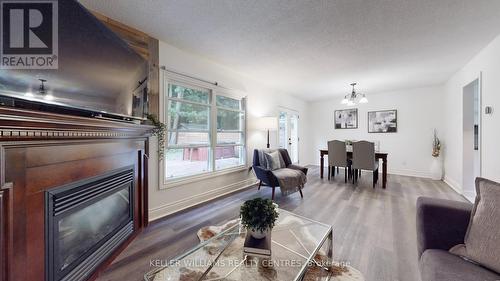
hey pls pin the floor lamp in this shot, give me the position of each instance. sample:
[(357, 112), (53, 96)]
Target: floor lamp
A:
[(267, 124)]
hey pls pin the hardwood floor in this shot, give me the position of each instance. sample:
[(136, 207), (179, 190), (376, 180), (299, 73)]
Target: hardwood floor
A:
[(374, 229)]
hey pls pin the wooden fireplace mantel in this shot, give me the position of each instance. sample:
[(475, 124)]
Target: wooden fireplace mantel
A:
[(27, 124), (40, 151)]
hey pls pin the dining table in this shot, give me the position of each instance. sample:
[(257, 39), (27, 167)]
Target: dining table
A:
[(378, 156)]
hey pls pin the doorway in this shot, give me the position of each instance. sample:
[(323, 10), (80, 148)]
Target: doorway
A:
[(289, 132), (471, 137)]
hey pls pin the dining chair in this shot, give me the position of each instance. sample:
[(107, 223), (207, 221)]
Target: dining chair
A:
[(337, 157), (363, 158)]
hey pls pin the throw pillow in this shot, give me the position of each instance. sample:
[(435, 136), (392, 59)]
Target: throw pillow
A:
[(282, 161), (482, 240), (273, 160)]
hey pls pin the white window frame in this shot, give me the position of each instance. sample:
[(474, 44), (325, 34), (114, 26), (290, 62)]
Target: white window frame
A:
[(214, 91), (215, 130)]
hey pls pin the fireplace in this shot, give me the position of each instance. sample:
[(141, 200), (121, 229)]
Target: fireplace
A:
[(86, 221)]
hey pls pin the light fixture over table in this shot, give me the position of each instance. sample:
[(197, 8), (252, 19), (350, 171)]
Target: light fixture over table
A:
[(350, 99)]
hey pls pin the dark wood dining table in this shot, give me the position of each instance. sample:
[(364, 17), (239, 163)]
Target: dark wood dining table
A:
[(378, 156)]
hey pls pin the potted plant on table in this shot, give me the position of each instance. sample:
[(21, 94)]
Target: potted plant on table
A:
[(258, 216)]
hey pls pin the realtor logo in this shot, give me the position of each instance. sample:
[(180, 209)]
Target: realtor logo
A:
[(28, 34)]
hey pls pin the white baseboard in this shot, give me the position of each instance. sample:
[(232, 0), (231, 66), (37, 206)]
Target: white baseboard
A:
[(173, 207), (453, 184), (409, 173), (470, 196)]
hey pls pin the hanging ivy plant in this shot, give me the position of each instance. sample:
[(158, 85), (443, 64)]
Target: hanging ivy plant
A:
[(159, 130)]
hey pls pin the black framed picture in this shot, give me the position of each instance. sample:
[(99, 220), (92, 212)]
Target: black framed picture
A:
[(346, 118), (384, 121)]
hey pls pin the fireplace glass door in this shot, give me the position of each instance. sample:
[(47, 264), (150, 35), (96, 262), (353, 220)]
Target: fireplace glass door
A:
[(86, 221), (81, 230)]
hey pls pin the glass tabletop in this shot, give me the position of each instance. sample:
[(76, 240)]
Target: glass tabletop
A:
[(298, 243)]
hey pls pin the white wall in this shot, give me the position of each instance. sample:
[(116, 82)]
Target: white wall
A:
[(486, 62), (419, 112), (261, 101)]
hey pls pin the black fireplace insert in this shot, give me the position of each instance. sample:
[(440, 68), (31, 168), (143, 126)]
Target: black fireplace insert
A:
[(86, 221)]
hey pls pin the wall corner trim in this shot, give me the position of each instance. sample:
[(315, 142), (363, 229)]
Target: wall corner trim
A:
[(453, 184)]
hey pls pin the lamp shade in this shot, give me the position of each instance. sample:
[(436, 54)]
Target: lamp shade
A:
[(266, 123)]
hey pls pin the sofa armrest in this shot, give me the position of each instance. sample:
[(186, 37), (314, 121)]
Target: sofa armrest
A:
[(297, 167), (441, 224), (266, 176)]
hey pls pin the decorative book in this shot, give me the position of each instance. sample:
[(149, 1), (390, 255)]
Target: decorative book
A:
[(261, 247)]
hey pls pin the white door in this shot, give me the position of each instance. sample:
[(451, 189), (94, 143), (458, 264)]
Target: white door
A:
[(471, 137), (289, 132)]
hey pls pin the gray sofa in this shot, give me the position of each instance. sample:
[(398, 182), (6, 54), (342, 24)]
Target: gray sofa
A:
[(442, 224)]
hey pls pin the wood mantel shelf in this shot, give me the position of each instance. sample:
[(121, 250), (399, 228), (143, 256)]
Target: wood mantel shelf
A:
[(40, 151), (27, 124)]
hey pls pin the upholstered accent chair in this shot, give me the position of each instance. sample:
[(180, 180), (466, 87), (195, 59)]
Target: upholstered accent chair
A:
[(442, 224), (337, 157), (267, 177), (363, 158)]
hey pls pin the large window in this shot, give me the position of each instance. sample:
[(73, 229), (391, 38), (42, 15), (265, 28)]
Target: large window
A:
[(206, 131), (230, 149)]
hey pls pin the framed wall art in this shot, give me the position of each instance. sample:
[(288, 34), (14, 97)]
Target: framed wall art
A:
[(346, 119), (384, 121)]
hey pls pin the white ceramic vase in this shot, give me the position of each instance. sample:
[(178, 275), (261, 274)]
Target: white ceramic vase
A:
[(437, 168), (258, 234)]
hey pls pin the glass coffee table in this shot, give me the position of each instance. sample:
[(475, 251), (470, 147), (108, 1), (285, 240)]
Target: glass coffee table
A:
[(302, 249)]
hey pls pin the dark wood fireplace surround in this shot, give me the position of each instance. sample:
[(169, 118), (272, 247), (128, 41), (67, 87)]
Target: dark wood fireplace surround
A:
[(40, 151)]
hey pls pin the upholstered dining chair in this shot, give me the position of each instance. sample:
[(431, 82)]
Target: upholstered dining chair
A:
[(337, 157), (363, 158)]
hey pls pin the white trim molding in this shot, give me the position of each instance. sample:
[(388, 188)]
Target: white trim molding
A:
[(201, 177), (453, 184), (409, 173), (458, 189), (197, 199)]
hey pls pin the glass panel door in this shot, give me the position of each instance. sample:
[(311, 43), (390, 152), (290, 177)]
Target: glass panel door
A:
[(293, 139), (289, 133), (283, 130)]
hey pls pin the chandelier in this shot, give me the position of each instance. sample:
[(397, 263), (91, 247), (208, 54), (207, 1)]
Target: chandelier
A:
[(350, 99)]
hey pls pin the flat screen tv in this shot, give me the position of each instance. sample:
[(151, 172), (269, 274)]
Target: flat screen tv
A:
[(98, 74)]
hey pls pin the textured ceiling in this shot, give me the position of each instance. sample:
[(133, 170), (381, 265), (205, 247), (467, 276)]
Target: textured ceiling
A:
[(314, 49)]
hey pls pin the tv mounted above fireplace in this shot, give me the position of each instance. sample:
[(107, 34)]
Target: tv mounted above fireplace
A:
[(98, 74)]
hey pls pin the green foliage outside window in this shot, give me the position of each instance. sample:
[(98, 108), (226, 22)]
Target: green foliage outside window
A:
[(188, 94), (228, 102)]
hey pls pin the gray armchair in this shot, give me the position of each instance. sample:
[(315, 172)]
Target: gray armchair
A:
[(363, 158), (267, 177), (442, 224)]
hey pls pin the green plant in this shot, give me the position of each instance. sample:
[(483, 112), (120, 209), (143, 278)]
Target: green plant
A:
[(159, 130), (258, 214)]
